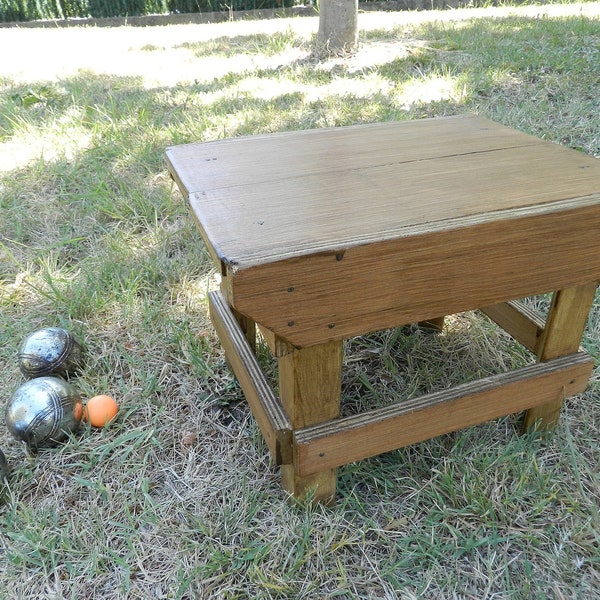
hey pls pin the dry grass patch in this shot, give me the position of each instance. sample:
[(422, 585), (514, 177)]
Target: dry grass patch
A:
[(177, 498)]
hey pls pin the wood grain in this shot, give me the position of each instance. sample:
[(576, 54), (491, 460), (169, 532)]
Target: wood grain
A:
[(265, 406), (337, 295), (562, 334), (357, 437), (330, 189), (258, 159), (310, 382), (519, 321)]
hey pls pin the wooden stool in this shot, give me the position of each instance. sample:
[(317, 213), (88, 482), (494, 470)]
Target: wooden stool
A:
[(327, 234)]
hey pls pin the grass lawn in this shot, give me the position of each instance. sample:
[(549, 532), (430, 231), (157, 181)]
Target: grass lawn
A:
[(178, 498)]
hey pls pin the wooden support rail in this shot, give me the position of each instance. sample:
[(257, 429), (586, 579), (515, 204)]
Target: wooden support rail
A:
[(342, 441), (265, 406), (519, 321)]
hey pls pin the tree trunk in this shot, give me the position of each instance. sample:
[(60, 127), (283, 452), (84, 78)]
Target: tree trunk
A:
[(338, 26)]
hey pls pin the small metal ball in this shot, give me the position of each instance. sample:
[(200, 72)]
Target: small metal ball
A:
[(43, 411), (50, 351)]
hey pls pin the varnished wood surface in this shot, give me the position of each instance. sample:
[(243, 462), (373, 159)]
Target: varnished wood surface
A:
[(310, 382), (266, 407), (325, 296), (345, 440), (562, 334), (521, 322), (326, 234), (266, 198)]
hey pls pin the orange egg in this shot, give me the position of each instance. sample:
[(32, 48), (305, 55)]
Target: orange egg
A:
[(100, 410)]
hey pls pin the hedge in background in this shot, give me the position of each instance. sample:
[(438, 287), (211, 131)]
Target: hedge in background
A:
[(32, 10)]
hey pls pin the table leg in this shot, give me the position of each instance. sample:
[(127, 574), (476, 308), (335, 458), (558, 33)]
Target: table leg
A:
[(248, 327), (562, 335), (436, 324), (310, 389)]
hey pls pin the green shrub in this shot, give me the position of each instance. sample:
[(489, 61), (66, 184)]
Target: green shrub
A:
[(30, 10), (20, 10)]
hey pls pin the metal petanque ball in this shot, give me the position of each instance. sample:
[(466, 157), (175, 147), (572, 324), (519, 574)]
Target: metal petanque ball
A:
[(50, 351), (43, 411)]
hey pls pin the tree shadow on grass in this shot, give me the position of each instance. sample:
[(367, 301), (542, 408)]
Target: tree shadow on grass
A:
[(541, 78), (107, 241)]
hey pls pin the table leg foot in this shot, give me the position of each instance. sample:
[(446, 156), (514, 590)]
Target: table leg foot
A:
[(319, 487)]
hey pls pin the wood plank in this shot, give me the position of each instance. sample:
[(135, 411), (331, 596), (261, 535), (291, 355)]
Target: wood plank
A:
[(247, 327), (562, 335), (566, 320), (332, 188), (337, 295), (519, 321), (309, 213), (265, 406), (346, 440), (310, 382), (278, 346), (224, 163)]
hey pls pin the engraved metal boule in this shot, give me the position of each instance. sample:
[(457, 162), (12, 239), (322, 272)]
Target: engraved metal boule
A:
[(43, 411), (50, 351)]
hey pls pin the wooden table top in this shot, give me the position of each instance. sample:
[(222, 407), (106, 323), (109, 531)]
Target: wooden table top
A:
[(266, 198)]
